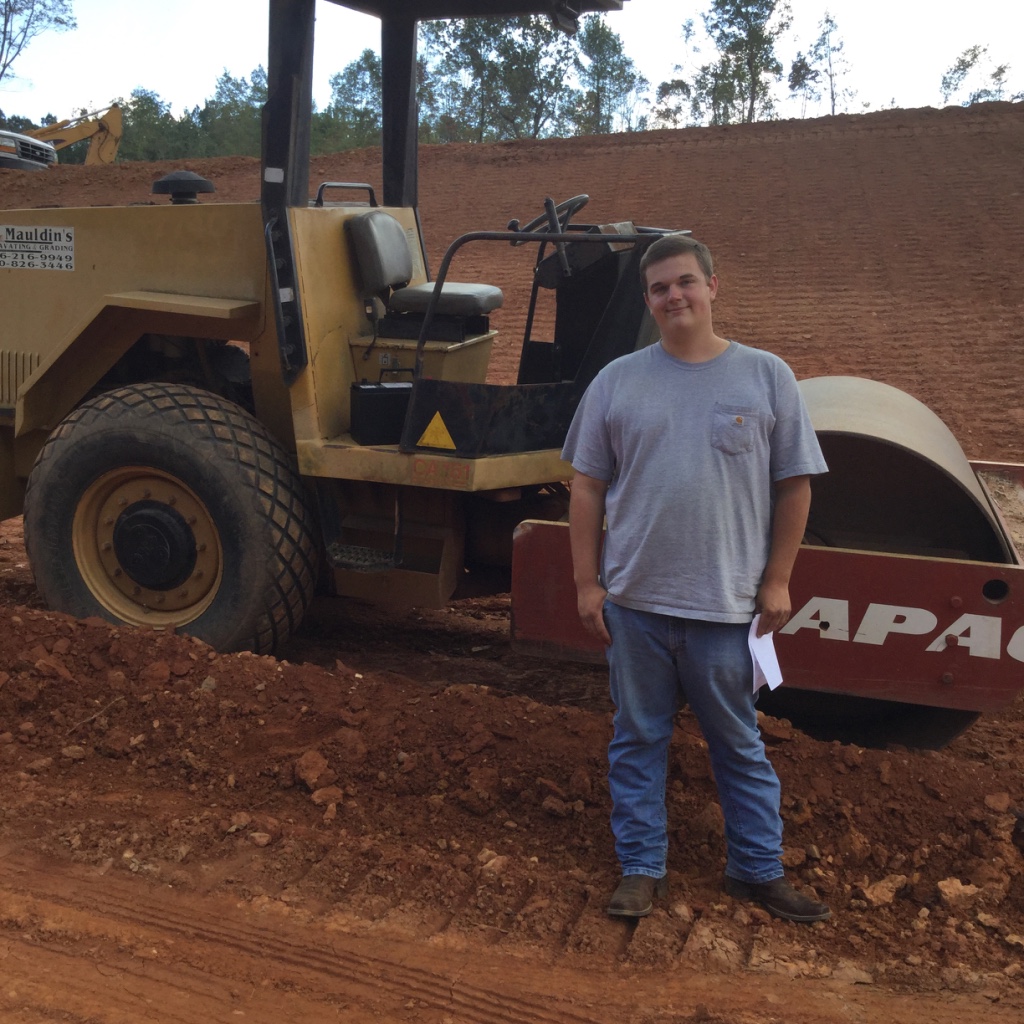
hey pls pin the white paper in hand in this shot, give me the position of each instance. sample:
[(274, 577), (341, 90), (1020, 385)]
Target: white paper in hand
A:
[(766, 662)]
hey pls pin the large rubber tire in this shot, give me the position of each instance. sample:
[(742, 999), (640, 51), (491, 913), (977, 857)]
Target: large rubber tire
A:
[(168, 506)]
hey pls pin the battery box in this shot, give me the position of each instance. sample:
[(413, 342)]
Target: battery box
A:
[(378, 411)]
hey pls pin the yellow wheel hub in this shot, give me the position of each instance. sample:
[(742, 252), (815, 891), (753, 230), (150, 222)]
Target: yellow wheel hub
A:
[(147, 547)]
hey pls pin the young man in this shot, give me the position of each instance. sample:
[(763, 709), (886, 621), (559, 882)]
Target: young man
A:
[(699, 452)]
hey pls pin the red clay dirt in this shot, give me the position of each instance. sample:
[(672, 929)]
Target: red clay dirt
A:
[(405, 820)]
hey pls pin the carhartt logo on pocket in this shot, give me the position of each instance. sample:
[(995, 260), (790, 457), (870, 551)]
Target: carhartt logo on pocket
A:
[(733, 428)]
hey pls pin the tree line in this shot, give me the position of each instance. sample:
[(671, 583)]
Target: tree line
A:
[(494, 79), (478, 80)]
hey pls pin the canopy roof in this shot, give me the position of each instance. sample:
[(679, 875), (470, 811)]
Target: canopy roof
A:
[(427, 10)]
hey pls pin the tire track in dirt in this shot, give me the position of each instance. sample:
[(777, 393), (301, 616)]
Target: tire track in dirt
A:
[(81, 948), (110, 993), (112, 914)]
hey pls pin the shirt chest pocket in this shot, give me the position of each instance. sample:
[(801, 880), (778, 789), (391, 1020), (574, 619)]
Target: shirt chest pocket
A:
[(733, 428)]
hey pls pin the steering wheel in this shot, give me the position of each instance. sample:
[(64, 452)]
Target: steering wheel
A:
[(554, 218)]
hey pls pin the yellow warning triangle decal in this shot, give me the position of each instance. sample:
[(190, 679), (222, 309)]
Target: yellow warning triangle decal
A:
[(436, 435)]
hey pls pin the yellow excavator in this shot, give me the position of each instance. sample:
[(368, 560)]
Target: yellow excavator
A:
[(103, 129)]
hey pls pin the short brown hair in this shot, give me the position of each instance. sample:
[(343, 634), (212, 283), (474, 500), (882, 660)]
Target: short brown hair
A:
[(677, 244)]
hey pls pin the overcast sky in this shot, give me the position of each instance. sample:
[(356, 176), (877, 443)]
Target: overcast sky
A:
[(897, 50)]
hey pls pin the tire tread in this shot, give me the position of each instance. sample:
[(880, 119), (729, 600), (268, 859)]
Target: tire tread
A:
[(235, 436)]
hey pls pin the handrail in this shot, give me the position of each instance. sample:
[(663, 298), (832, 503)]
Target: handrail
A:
[(344, 184), (644, 236)]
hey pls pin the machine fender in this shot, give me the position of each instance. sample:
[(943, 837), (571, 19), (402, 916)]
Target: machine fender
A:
[(61, 381)]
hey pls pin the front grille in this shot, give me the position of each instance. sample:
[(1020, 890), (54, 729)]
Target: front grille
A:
[(29, 149)]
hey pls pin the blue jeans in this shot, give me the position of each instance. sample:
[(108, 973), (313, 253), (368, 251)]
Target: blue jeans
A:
[(657, 664)]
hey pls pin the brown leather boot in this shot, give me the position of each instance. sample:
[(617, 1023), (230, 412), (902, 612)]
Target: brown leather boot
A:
[(634, 896), (780, 899)]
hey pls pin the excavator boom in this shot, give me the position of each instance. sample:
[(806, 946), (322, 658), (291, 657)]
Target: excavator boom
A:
[(103, 129)]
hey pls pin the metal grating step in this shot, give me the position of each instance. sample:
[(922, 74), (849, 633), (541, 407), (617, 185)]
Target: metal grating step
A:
[(360, 559)]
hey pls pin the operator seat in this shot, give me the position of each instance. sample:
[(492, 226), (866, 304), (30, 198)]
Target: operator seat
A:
[(385, 267)]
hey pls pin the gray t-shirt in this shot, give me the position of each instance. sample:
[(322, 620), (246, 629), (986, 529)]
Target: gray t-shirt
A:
[(691, 451)]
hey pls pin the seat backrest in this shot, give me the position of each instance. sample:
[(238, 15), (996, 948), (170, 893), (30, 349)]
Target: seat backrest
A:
[(381, 251)]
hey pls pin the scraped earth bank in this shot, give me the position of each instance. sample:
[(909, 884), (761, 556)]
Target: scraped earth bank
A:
[(404, 819)]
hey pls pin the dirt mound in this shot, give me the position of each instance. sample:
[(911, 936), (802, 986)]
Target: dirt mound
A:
[(459, 811), (410, 782)]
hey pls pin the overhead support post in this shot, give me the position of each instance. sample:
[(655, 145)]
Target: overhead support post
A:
[(285, 165), (286, 116), (399, 110)]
